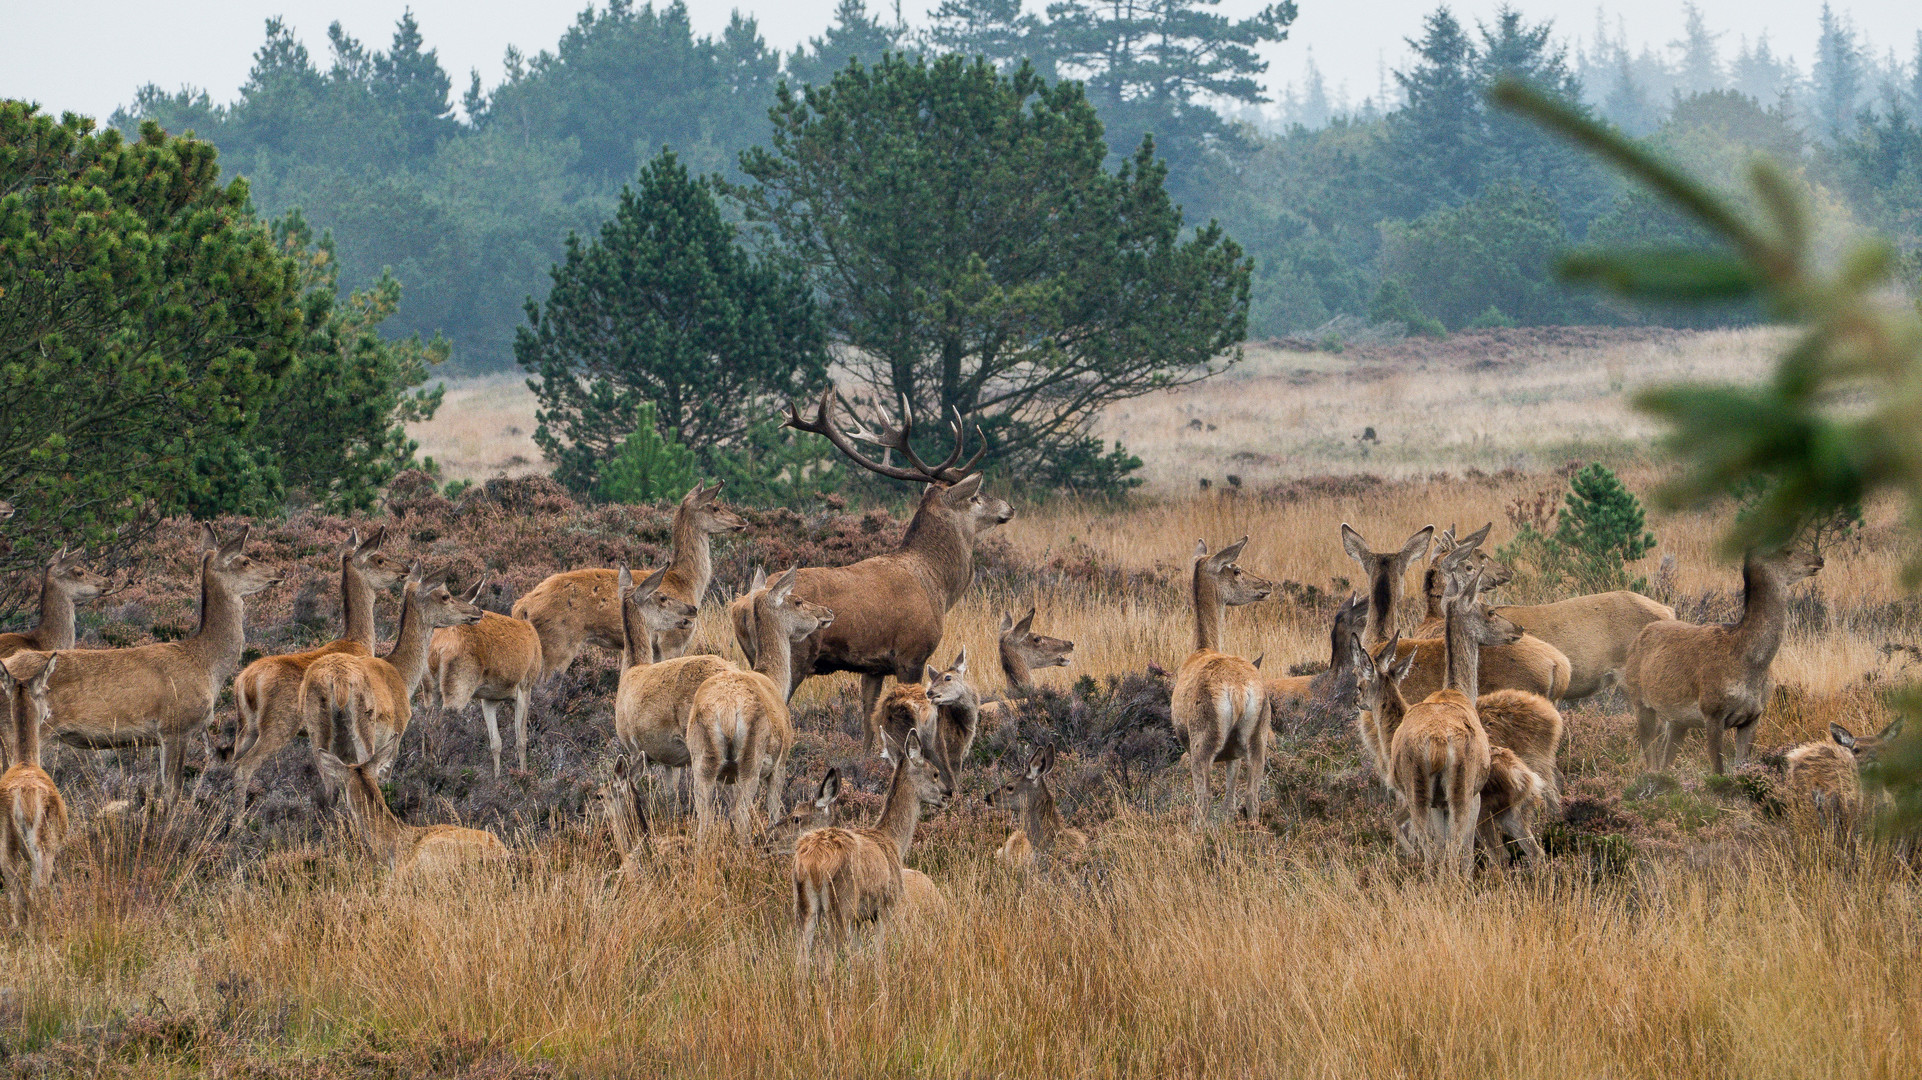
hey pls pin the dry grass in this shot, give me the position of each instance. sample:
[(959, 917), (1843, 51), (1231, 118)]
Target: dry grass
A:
[(484, 429)]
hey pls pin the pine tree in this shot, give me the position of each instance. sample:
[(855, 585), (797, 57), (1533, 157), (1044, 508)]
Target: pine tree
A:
[(1837, 76), (996, 29), (1701, 61), (410, 87), (854, 35), (1437, 133)]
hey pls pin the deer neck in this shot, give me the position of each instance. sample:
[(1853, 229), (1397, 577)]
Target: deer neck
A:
[(1437, 611), (692, 564), (1765, 610), (637, 645), (409, 654), (773, 653), (1041, 821), (356, 604), (56, 627), (26, 731), (222, 632), (1389, 716), (1210, 609), (1015, 667), (901, 813), (385, 836), (1461, 656), (943, 552)]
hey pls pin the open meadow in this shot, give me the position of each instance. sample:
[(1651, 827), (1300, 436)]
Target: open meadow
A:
[(1679, 926)]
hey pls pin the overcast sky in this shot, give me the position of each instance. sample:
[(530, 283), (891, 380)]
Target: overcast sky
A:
[(89, 55)]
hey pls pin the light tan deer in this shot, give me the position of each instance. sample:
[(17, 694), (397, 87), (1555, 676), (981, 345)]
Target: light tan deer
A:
[(106, 698), (654, 701), (494, 661), (408, 850), (1023, 652), (577, 608), (1382, 706), (1594, 632), (267, 691), (1519, 663), (738, 728), (1385, 572), (1219, 699), (891, 610), (957, 717), (1680, 676), (35, 824), (1512, 795), (1039, 831), (349, 703), (920, 897), (853, 877), (1438, 757), (66, 583), (1827, 775), (1530, 726)]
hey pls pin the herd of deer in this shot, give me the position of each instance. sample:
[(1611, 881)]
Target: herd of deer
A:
[(1458, 718)]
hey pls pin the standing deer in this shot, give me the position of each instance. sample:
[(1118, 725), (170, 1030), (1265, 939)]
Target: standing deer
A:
[(891, 609), (1039, 831), (1594, 632), (1382, 707), (654, 701), (957, 717), (920, 897), (106, 698), (66, 583), (578, 608), (1219, 699), (738, 728), (1385, 571), (852, 877), (351, 703), (35, 823), (407, 850), (1434, 583), (267, 691), (1680, 676), (1828, 774), (494, 661)]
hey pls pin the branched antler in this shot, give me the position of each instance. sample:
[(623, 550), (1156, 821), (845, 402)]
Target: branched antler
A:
[(889, 437)]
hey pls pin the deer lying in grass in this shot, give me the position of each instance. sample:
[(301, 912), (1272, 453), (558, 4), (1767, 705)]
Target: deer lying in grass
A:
[(654, 701), (853, 877), (1039, 831), (66, 583), (1023, 652), (101, 699), (624, 805), (891, 610), (1438, 757), (1828, 774), (1594, 632), (494, 661), (1332, 687), (267, 691), (1384, 571), (35, 823), (407, 850), (349, 703), (1219, 699), (577, 608), (1680, 676), (738, 728)]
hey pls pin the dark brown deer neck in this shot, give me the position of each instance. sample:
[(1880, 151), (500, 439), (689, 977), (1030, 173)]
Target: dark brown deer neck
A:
[(409, 654), (902, 812), (1461, 656), (222, 633), (356, 604), (692, 566), (1384, 596), (1436, 609), (1765, 610), (1041, 820), (942, 549), (1209, 608), (55, 630), (26, 734), (1389, 716)]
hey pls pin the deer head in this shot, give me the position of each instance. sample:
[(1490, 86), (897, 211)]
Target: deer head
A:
[(439, 607), (951, 686), (1018, 794), (921, 774), (953, 489), (1378, 677), (1384, 571), (1866, 748), (378, 568), (1231, 584), (69, 576), (232, 567), (811, 814), (1031, 650), (654, 610), (702, 506), (796, 617)]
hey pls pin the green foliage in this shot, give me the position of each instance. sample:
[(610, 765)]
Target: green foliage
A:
[(974, 255), (665, 311), (773, 465), (1393, 304), (1496, 250), (1598, 531), (1492, 319), (648, 467)]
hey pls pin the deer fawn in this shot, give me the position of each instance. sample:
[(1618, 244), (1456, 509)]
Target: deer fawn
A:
[(851, 877), (1219, 699), (891, 609), (267, 691), (35, 825), (1680, 676), (1039, 832), (106, 698), (1828, 774), (66, 583), (738, 729), (920, 897), (1385, 571), (572, 610), (406, 849), (350, 703)]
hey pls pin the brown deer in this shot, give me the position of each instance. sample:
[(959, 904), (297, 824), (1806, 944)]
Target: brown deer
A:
[(653, 703), (494, 661), (957, 717), (902, 708), (1680, 676), (101, 699), (1382, 706), (408, 850), (1438, 757), (1512, 794), (1039, 831), (624, 805), (351, 703), (1434, 586), (67, 582), (1219, 699), (577, 608), (1334, 685), (35, 824), (267, 691), (1828, 774), (891, 609), (738, 728), (1023, 652), (1594, 632), (1385, 571), (1531, 726), (853, 877)]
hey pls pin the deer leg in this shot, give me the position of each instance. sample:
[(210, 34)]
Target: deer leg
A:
[(1713, 728), (1648, 731), (1257, 767), (1201, 756), (1462, 828), (173, 767), (488, 710), (777, 791), (1744, 733), (1231, 797), (870, 693), (520, 725)]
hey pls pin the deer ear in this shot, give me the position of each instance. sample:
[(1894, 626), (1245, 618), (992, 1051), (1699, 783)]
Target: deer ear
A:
[(1228, 554), (1026, 623), (758, 581), (829, 790), (1201, 550), (620, 767), (912, 748), (474, 597), (1894, 729), (415, 572), (1007, 623), (1841, 736), (624, 581), (777, 592), (928, 675), (1401, 669), (650, 584), (961, 662), (209, 540), (1474, 539), (1354, 545), (1416, 547), (375, 541), (963, 490), (353, 539), (233, 547)]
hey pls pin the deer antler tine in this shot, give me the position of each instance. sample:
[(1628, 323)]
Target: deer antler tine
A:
[(823, 425)]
